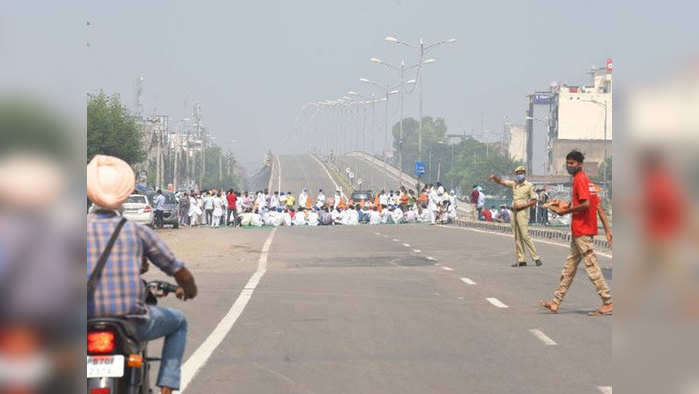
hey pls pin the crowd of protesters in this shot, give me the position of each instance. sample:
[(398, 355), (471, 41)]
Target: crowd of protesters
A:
[(215, 208)]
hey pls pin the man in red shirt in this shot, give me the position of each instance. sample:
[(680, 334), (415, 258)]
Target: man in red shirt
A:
[(232, 198), (583, 227)]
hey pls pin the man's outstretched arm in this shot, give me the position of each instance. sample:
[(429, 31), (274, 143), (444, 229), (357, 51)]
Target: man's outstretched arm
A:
[(497, 179)]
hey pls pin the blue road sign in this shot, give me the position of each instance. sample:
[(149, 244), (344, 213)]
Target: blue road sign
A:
[(419, 168)]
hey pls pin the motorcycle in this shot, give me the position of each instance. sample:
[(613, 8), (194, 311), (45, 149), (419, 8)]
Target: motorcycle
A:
[(117, 360)]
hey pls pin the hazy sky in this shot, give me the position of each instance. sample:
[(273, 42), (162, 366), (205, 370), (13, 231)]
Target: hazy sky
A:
[(252, 64)]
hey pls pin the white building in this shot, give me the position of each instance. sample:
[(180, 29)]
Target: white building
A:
[(516, 139), (581, 118)]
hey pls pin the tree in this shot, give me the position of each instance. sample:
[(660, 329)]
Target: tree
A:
[(433, 140), (474, 161), (113, 130)]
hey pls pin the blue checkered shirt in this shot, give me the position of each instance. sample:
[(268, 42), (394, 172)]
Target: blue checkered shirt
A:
[(120, 290)]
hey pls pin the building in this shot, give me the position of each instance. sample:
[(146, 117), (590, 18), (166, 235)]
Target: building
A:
[(581, 118), (516, 141)]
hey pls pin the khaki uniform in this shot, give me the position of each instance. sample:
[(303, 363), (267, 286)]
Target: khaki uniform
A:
[(581, 249), (522, 193)]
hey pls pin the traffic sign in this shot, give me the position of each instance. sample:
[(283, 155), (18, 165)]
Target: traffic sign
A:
[(419, 168), (351, 175)]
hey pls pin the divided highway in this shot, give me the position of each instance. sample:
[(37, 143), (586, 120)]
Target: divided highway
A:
[(381, 309)]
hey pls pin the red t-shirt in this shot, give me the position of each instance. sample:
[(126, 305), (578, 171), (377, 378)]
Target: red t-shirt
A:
[(231, 200), (663, 202), (584, 222), (487, 216)]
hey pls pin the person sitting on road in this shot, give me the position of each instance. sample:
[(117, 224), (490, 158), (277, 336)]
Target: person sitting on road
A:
[(120, 291), (397, 215), (352, 215), (256, 219), (300, 217), (326, 218), (487, 216), (337, 215), (313, 218), (375, 216), (287, 219), (504, 214)]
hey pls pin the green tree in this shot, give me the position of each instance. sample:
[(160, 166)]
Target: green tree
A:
[(474, 161), (433, 141), (113, 130)]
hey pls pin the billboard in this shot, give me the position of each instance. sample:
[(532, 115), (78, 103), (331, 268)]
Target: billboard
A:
[(542, 98)]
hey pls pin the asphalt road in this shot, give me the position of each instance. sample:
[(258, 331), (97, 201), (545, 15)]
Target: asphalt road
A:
[(382, 309)]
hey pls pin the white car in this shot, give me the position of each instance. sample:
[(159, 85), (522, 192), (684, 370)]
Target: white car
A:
[(137, 209)]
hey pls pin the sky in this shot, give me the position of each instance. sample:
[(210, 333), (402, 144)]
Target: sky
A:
[(253, 64)]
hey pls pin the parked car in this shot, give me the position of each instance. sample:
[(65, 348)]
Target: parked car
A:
[(365, 195), (137, 208), (171, 209)]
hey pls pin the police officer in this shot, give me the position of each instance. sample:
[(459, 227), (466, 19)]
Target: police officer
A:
[(523, 197)]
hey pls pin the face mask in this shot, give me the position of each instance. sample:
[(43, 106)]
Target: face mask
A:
[(572, 169), (520, 178)]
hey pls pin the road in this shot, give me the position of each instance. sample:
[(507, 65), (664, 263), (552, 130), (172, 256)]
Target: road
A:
[(381, 309)]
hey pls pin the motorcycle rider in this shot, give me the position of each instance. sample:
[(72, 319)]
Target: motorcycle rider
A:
[(120, 292)]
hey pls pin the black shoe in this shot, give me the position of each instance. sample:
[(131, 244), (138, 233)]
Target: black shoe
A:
[(538, 263), (520, 264)]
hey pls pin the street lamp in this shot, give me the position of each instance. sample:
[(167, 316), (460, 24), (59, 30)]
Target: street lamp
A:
[(422, 51), (402, 68)]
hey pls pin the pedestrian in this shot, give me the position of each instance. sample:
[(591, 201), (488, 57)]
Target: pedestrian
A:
[(523, 197), (184, 209), (480, 205), (583, 226), (208, 207), (217, 212), (194, 211), (473, 199), (159, 203), (232, 200)]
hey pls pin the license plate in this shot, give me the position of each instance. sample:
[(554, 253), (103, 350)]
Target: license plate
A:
[(105, 366)]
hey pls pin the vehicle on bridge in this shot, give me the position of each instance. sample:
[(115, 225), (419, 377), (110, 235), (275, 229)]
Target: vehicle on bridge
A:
[(366, 195)]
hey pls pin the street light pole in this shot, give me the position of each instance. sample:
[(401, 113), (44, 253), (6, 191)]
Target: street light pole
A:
[(422, 51), (400, 133)]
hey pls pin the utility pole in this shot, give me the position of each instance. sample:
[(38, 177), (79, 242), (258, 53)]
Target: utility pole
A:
[(530, 136), (174, 164), (419, 131), (400, 135)]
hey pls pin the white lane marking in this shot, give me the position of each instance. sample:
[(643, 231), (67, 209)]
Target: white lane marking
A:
[(204, 351), (543, 337), (395, 240), (496, 302), (468, 281), (447, 268), (406, 245), (430, 258), (328, 174), (377, 233), (417, 250), (605, 389), (609, 256)]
